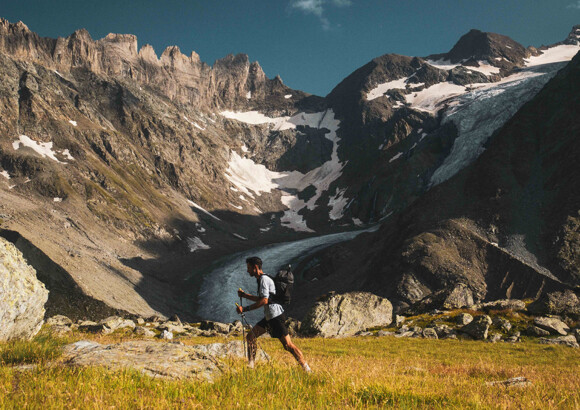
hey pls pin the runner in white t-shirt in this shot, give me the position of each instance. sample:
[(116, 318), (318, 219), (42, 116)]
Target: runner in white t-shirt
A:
[(274, 319)]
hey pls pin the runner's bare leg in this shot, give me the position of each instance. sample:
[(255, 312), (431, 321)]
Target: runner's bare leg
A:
[(255, 333)]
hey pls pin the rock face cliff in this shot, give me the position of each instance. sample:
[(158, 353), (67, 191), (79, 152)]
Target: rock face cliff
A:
[(127, 173)]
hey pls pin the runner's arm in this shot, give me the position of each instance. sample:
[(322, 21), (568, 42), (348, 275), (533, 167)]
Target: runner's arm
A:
[(259, 303), (245, 295)]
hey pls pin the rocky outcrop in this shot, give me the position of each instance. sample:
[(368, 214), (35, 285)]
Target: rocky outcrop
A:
[(557, 303), (156, 359), (552, 325), (569, 341), (22, 295), (347, 314), (478, 328), (165, 360), (502, 304)]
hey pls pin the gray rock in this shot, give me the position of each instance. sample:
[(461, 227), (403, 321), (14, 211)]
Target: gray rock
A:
[(382, 333), (430, 333), (478, 328), (236, 327), (451, 336), (165, 360), (513, 382), (233, 349), (22, 295), (536, 331), (172, 327), (569, 340), (92, 327), (364, 333), (399, 320), (347, 314), (503, 324), (403, 329), (464, 318), (166, 335), (557, 303), (443, 331), (405, 334), (116, 323), (59, 320), (495, 337), (514, 338), (140, 321), (293, 326), (143, 331), (219, 327), (552, 325), (456, 297), (503, 304)]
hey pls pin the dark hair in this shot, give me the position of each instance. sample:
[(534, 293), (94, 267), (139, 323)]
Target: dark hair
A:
[(254, 261)]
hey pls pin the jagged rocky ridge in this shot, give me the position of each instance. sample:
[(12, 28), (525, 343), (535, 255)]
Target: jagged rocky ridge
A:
[(156, 164)]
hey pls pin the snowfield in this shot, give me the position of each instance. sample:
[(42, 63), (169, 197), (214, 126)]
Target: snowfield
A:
[(246, 175)]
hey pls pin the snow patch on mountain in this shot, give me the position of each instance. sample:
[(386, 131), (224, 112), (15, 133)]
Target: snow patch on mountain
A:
[(442, 64), (486, 68), (337, 204), (44, 149), (195, 244), (557, 54), (246, 175), (5, 174), (381, 89), (74, 123), (430, 99)]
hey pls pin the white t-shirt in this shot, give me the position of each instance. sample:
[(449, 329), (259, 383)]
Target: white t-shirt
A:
[(265, 290)]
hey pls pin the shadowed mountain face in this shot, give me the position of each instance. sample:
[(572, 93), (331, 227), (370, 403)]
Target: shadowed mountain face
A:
[(506, 226), (130, 173)]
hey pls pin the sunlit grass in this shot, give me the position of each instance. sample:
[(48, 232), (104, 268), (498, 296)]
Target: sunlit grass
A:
[(353, 372)]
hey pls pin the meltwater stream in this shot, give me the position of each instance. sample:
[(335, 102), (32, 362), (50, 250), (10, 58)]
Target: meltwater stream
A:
[(218, 293)]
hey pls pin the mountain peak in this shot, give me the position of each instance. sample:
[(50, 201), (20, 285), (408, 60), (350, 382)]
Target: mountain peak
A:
[(574, 36), (478, 45)]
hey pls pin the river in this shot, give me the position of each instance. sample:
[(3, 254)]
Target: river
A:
[(218, 293)]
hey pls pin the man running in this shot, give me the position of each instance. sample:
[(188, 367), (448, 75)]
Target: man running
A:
[(274, 319)]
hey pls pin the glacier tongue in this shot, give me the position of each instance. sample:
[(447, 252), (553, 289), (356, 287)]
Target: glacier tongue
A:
[(479, 113)]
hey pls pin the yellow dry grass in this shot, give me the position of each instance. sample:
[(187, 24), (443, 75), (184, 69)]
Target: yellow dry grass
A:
[(348, 373)]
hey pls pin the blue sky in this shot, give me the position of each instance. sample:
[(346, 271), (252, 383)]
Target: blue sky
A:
[(311, 44)]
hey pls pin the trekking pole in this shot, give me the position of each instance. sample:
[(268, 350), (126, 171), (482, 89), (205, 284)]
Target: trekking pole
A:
[(243, 330), (258, 347)]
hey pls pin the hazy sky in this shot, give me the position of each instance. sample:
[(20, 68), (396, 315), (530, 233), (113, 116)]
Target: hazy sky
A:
[(311, 44)]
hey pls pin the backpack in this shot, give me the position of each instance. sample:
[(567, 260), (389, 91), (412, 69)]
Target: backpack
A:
[(284, 283)]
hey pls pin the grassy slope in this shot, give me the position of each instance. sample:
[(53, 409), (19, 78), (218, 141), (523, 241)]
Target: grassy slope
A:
[(352, 372)]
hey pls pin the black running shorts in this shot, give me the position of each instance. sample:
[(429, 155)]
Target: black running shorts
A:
[(276, 326)]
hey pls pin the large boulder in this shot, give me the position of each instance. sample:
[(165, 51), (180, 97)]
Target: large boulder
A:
[(557, 303), (347, 314), (22, 295), (552, 325), (455, 297), (478, 328)]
